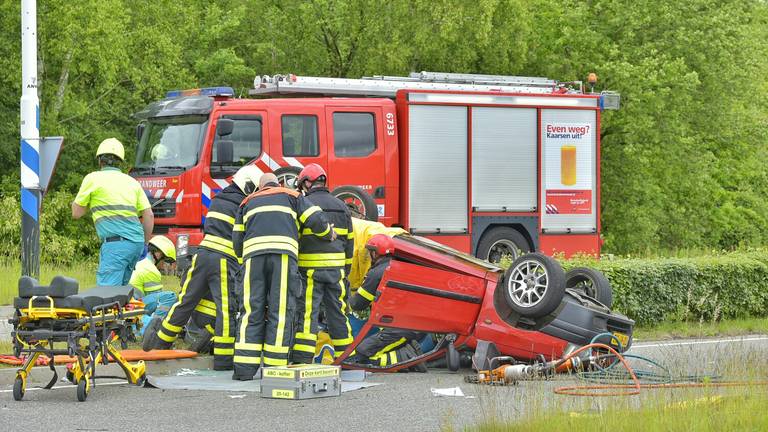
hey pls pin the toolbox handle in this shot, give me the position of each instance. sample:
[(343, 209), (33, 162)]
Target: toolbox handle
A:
[(316, 390)]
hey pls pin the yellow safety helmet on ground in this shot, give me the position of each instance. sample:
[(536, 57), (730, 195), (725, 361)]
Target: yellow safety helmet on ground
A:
[(111, 146), (164, 245), (245, 175)]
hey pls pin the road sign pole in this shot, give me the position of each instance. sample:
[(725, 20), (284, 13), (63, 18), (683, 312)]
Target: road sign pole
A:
[(30, 143)]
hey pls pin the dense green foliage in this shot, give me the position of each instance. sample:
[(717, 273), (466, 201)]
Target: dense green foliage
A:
[(705, 288), (683, 160)]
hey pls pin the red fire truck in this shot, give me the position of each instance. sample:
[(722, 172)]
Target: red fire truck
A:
[(489, 165)]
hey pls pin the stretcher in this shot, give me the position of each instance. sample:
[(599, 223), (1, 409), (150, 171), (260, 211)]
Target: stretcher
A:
[(58, 320)]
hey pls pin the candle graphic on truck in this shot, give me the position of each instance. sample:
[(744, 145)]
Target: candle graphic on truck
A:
[(568, 165)]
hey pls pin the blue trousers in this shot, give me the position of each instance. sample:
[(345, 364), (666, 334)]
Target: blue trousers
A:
[(157, 304), (117, 261)]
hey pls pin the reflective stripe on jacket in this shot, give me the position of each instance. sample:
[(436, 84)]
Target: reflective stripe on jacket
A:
[(272, 218), (220, 221), (116, 201), (146, 277), (315, 252)]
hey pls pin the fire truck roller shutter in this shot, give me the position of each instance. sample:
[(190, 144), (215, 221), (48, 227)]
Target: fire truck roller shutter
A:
[(437, 169), (504, 159)]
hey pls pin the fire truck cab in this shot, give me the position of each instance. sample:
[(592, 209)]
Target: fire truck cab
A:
[(489, 165)]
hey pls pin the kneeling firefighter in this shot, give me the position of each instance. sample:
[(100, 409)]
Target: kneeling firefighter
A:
[(214, 271), (146, 278), (324, 267), (388, 346)]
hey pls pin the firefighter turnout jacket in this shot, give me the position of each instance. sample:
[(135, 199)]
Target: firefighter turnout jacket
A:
[(220, 221), (272, 219), (317, 253)]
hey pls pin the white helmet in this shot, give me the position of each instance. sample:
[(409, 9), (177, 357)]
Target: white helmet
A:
[(245, 175)]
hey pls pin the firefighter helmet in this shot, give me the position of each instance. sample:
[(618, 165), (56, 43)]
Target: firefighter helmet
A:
[(312, 172), (382, 244), (245, 175), (164, 245), (111, 146)]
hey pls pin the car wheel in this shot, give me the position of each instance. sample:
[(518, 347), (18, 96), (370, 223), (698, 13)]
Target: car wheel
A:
[(591, 283), (502, 242), (360, 202), (287, 176), (534, 285)]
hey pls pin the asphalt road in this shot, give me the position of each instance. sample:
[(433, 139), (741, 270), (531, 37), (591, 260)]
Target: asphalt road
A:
[(403, 403)]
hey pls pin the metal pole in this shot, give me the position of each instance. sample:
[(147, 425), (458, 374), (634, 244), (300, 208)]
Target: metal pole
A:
[(30, 143)]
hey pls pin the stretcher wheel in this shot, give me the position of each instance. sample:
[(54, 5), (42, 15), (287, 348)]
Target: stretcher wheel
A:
[(82, 389), (140, 381), (18, 388), (452, 358)]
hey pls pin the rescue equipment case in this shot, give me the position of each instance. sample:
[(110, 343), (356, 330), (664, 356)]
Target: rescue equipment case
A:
[(301, 382)]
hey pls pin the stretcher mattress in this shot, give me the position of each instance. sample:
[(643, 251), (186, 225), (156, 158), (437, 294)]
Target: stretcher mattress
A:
[(60, 287), (85, 301)]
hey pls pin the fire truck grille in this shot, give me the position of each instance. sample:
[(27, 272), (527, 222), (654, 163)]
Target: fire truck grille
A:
[(163, 207)]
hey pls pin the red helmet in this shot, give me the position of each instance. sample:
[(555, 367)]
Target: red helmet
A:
[(311, 172), (382, 244)]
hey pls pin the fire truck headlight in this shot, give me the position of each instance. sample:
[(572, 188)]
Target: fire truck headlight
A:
[(182, 244)]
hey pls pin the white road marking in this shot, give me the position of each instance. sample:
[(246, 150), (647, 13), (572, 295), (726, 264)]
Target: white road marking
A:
[(699, 342), (111, 383)]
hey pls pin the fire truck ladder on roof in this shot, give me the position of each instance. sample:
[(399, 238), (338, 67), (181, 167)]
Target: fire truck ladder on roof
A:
[(387, 86)]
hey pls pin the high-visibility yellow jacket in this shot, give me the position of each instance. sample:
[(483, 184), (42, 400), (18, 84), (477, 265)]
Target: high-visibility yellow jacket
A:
[(146, 277), (364, 230), (116, 201)]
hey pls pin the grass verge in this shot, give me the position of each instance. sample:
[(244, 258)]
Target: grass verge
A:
[(85, 273), (676, 330), (734, 412)]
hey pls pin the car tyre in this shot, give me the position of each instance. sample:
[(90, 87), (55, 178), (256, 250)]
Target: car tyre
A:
[(591, 283), (534, 285), (452, 358)]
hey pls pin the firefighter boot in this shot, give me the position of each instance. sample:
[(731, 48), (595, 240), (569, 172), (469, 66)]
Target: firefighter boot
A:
[(151, 339), (420, 367)]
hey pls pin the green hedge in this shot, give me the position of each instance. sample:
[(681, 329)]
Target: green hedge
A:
[(62, 239), (709, 288)]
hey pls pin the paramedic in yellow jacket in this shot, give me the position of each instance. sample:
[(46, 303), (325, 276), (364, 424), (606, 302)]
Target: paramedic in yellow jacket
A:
[(147, 280), (121, 213)]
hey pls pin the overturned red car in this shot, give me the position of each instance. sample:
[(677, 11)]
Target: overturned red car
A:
[(528, 311)]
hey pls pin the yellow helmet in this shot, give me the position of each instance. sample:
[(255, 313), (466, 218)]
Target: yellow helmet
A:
[(164, 245), (246, 174), (111, 146)]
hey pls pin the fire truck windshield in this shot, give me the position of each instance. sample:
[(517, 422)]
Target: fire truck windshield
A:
[(170, 144)]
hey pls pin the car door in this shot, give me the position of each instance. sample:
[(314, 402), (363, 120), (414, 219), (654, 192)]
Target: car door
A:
[(421, 298)]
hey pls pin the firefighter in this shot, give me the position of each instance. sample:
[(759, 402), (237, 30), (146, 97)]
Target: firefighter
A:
[(323, 266), (147, 280), (120, 211), (388, 346), (272, 219), (214, 272)]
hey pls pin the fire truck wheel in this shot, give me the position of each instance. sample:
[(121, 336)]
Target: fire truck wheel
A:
[(590, 282), (287, 176), (359, 201), (534, 285), (502, 241)]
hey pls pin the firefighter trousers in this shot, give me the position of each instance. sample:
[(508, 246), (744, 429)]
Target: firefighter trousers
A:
[(326, 288), (196, 299), (271, 283), (387, 347)]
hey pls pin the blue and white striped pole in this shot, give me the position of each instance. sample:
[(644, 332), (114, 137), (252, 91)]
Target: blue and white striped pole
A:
[(30, 143)]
